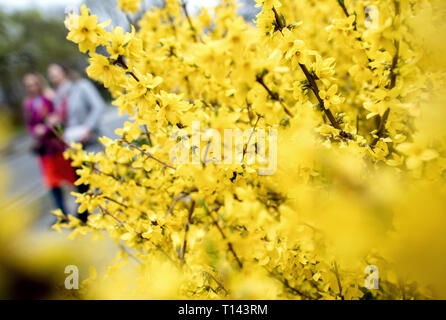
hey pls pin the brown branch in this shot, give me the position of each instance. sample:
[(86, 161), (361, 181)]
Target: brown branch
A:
[(245, 149), (250, 113), (186, 231), (147, 154), (122, 223), (393, 66), (355, 28), (116, 202), (279, 25), (314, 87), (121, 180), (175, 200), (338, 280), (381, 127), (223, 235), (120, 61), (127, 251), (129, 20), (393, 75), (178, 198), (146, 131), (287, 285), (220, 285), (145, 215), (312, 83), (342, 4), (206, 153), (273, 95), (230, 247), (189, 20)]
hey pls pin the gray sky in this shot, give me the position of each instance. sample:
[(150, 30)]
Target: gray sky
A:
[(48, 4), (38, 4)]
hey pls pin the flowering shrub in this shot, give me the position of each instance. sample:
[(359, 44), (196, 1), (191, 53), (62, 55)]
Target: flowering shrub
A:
[(355, 92)]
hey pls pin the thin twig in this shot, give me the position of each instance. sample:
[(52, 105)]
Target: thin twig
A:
[(186, 231), (175, 200), (393, 75), (220, 285), (273, 95), (122, 223), (129, 20), (338, 280), (314, 87), (189, 20), (393, 66), (122, 180), (147, 132), (147, 154), (117, 202), (178, 198), (127, 251), (206, 153), (245, 149), (342, 4), (250, 113), (215, 222), (381, 128), (312, 84), (287, 285), (120, 61)]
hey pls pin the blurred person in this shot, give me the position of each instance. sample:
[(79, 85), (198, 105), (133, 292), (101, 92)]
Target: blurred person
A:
[(41, 118), (83, 105)]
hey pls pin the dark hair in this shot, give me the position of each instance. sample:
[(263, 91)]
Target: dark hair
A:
[(64, 67), (68, 71)]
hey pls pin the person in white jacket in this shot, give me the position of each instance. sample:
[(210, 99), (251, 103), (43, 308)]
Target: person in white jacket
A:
[(82, 103)]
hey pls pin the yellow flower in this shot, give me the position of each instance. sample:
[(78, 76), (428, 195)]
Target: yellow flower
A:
[(383, 99), (143, 84), (330, 97), (171, 107), (102, 70), (324, 68), (416, 154), (293, 48), (118, 43), (85, 30), (129, 5)]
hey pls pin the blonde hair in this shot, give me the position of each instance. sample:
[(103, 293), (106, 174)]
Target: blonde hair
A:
[(44, 87)]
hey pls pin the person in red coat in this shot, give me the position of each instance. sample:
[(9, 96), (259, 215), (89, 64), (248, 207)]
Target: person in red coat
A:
[(41, 119)]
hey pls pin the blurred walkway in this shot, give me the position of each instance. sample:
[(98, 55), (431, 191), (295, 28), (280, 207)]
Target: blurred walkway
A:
[(24, 184)]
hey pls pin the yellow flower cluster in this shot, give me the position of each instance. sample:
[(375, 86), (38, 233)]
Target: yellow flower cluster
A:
[(129, 5), (355, 90)]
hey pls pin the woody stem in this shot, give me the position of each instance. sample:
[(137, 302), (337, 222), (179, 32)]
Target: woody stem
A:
[(315, 90), (189, 20)]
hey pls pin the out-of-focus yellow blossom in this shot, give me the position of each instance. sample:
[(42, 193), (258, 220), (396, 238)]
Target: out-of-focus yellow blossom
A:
[(129, 5), (416, 154), (357, 100)]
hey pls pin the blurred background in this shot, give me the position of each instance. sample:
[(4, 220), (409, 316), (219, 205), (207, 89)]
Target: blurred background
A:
[(32, 36)]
